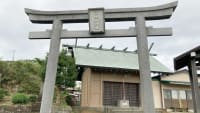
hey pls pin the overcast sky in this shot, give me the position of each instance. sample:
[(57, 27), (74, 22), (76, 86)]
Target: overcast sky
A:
[(15, 26)]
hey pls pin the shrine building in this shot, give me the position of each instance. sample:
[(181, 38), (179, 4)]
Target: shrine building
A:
[(110, 75)]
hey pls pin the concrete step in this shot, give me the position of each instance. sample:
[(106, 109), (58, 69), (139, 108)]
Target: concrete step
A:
[(126, 111), (123, 110)]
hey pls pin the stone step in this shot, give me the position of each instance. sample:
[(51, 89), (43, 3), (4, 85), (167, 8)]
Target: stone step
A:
[(126, 111), (123, 110)]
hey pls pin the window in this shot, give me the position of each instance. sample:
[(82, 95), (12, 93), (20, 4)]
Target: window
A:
[(113, 92), (174, 94), (167, 98), (167, 94), (182, 94), (189, 95), (175, 98), (189, 99)]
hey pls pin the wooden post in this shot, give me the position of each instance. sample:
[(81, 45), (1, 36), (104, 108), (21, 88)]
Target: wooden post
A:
[(144, 66), (50, 76), (194, 83)]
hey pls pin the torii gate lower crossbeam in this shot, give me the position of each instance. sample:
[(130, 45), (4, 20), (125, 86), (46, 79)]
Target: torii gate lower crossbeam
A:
[(140, 15)]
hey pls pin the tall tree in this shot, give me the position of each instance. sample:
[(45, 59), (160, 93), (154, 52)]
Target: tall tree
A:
[(65, 77), (66, 72)]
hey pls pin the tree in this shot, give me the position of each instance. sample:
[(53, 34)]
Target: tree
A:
[(42, 69), (66, 74), (66, 71), (7, 74), (22, 75), (27, 76)]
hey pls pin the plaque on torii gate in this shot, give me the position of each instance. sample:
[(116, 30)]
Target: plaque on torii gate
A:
[(97, 18)]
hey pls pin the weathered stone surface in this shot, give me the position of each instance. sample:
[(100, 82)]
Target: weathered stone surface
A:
[(32, 109), (131, 32), (52, 63), (96, 20), (122, 14)]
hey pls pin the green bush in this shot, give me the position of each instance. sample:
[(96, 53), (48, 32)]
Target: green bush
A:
[(32, 98), (3, 93), (70, 101), (20, 98)]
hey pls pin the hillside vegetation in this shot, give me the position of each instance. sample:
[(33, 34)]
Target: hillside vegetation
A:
[(25, 78)]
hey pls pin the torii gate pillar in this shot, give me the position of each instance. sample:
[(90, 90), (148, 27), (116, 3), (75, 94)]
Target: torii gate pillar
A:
[(51, 69), (144, 66)]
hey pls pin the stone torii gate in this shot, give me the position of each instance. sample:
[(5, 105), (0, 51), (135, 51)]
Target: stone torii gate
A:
[(97, 18)]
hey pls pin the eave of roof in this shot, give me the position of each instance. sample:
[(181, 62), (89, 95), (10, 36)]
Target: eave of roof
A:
[(183, 59), (176, 82)]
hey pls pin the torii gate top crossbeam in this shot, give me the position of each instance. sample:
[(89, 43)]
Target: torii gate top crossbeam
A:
[(121, 14)]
